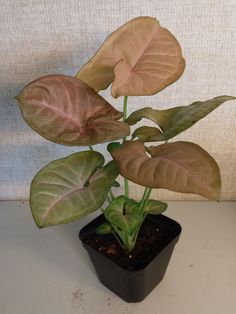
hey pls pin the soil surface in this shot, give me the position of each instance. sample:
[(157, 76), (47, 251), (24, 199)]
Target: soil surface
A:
[(153, 237)]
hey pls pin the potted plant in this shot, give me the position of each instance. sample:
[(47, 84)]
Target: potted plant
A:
[(131, 242)]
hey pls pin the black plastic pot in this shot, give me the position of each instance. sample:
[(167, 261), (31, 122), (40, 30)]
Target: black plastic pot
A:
[(134, 286)]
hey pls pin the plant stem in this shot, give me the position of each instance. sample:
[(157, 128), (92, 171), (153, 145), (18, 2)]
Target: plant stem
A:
[(125, 108), (146, 196), (143, 198), (138, 229), (126, 182), (91, 148), (118, 240), (126, 187)]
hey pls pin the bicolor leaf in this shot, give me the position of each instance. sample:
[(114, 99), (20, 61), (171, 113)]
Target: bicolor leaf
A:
[(65, 110), (172, 121), (181, 166), (70, 188), (124, 214)]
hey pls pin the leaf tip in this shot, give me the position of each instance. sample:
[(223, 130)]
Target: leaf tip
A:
[(217, 196), (38, 223), (114, 93)]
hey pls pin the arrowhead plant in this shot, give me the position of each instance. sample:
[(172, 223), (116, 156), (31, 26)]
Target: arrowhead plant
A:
[(138, 59)]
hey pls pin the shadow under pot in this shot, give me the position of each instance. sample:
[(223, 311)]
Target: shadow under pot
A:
[(132, 276)]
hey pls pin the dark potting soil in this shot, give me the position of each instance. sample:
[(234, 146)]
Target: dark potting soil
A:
[(152, 239)]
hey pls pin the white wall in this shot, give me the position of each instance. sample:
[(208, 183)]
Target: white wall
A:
[(58, 36)]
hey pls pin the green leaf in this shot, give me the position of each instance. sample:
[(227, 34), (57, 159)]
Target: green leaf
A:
[(104, 228), (123, 213), (181, 167), (66, 111), (70, 188), (173, 121), (155, 207)]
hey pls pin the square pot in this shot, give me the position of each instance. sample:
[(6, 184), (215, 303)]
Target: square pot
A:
[(129, 285)]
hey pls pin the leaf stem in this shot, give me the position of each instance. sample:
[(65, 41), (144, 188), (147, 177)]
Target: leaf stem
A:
[(125, 108), (138, 229), (126, 187), (146, 198), (118, 239), (91, 148), (143, 198), (146, 195), (126, 182)]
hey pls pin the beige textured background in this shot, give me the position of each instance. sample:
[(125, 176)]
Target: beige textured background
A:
[(58, 36)]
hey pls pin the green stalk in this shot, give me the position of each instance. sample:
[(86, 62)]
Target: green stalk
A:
[(91, 148), (126, 182), (138, 229), (125, 111), (119, 236), (143, 198), (118, 240), (147, 193), (126, 187), (147, 197)]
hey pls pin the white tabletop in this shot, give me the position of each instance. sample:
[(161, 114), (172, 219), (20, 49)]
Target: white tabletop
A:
[(48, 272)]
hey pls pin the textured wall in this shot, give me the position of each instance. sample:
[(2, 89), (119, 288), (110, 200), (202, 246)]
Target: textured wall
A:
[(58, 36)]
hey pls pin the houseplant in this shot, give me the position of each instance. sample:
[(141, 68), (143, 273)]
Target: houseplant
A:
[(139, 58)]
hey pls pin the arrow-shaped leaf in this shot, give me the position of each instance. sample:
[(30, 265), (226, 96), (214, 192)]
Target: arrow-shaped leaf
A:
[(123, 213), (70, 188), (65, 110), (140, 58), (180, 166), (173, 121)]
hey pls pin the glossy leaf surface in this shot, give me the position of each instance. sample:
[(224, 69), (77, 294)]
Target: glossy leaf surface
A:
[(140, 58), (173, 121), (65, 110), (70, 188), (180, 166)]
